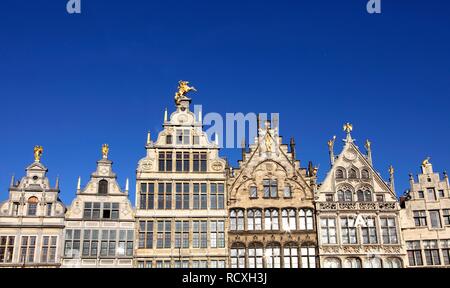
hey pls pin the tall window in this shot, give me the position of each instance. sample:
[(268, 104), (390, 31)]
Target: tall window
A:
[(441, 194), (270, 188), (369, 232), (126, 239), (217, 196), (420, 218), (15, 209), (290, 256), (414, 253), (287, 191), (271, 219), (163, 239), (217, 234), (237, 220), (308, 257), (103, 187), (48, 252), (147, 199), (364, 195), (183, 136), (431, 252), (345, 196), (289, 217), (109, 243), (306, 219), (420, 194), (348, 231), (237, 255), (182, 161), (328, 230), (165, 196), (389, 230), (27, 249), (446, 214), (253, 192), (431, 194), (273, 255), (90, 243), (199, 161), (445, 245), (6, 249), (182, 196), (72, 243), (435, 219), (255, 255), (32, 206), (169, 139), (352, 262), (200, 196), (165, 161), (254, 220), (146, 234), (182, 234), (199, 234), (340, 174)]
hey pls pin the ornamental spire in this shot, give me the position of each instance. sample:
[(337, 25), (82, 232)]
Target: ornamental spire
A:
[(348, 128)]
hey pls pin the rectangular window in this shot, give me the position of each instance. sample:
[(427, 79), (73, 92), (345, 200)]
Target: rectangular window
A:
[(27, 249), (199, 235), (125, 247), (217, 234), (182, 196), (183, 136), (435, 219), (445, 245), (446, 214), (199, 162), (203, 196), (6, 249), (32, 208), (72, 243), (420, 194), (147, 198), (431, 194), (164, 234), (431, 252), (182, 234), (146, 234), (182, 161), (380, 198), (420, 218), (441, 194), (253, 192), (48, 251), (270, 188), (217, 196), (329, 197), (414, 253), (97, 210), (369, 232), (90, 243), (165, 161), (287, 192), (328, 230), (389, 230), (49, 209), (169, 139), (348, 230), (108, 243), (165, 196), (308, 257), (15, 209)]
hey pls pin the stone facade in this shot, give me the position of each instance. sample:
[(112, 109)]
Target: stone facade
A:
[(425, 219), (31, 221), (271, 222), (99, 225), (357, 213), (180, 196)]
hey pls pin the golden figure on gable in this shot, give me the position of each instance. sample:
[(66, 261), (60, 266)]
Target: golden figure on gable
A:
[(183, 89)]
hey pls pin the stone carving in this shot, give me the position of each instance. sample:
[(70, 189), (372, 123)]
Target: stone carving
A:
[(327, 206)]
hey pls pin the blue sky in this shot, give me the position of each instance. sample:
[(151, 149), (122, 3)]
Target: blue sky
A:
[(74, 82)]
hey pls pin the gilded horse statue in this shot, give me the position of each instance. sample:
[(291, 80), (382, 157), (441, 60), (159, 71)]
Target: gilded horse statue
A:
[(183, 89)]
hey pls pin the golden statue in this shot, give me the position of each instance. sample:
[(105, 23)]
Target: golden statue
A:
[(426, 162), (367, 145), (331, 142), (38, 150), (183, 89), (268, 142), (105, 151), (348, 127)]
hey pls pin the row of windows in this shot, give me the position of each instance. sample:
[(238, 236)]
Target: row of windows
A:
[(183, 137), (349, 233), (362, 195), (355, 262), (270, 190), (272, 256), (181, 264), (352, 173), (420, 218), (28, 246), (100, 210), (181, 234), (252, 219), (31, 207), (431, 250), (169, 161), (186, 196), (431, 194), (94, 243)]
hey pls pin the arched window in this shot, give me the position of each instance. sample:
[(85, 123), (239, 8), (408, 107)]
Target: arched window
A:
[(373, 262), (289, 222), (237, 255), (255, 255), (393, 263), (340, 174), (254, 219), (345, 196), (273, 256), (308, 254), (103, 187), (290, 256), (352, 174), (271, 219), (32, 206), (365, 174), (364, 195), (237, 220), (306, 219), (332, 263), (352, 262)]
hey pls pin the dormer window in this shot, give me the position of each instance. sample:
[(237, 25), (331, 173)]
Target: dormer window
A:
[(352, 174), (169, 139), (183, 136), (32, 206), (340, 174), (103, 187)]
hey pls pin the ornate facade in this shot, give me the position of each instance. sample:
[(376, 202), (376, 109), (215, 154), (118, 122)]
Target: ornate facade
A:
[(180, 195), (425, 219), (271, 210), (357, 212), (32, 220), (99, 225)]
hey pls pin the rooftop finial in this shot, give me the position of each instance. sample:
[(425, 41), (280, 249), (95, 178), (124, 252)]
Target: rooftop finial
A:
[(183, 89), (348, 128), (38, 150), (105, 151), (165, 115), (426, 162), (149, 138)]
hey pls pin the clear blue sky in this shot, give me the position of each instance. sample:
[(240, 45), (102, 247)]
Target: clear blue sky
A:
[(74, 82)]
